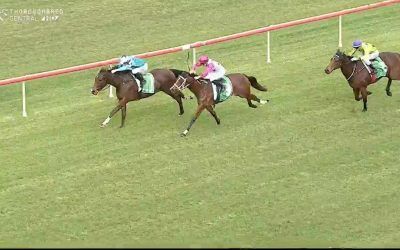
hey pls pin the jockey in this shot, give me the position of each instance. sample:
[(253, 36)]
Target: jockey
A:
[(213, 72), (369, 52), (136, 65)]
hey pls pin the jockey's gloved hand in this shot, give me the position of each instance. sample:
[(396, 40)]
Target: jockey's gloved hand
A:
[(197, 77), (354, 59)]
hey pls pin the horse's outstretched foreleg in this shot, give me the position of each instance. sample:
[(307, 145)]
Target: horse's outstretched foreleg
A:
[(364, 94), (389, 83), (112, 113), (214, 114), (178, 98), (123, 115), (357, 94), (200, 109)]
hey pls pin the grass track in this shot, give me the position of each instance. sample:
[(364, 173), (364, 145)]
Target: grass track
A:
[(308, 169)]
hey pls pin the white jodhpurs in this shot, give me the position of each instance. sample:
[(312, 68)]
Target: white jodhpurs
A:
[(372, 56), (216, 74), (142, 70)]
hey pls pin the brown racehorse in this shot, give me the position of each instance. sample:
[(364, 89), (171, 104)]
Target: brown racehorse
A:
[(127, 89), (359, 78), (204, 93)]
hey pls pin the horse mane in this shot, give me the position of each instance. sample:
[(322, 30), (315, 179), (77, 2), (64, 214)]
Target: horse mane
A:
[(178, 72), (342, 54), (104, 69)]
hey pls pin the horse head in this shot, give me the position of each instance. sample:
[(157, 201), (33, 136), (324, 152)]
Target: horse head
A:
[(100, 81), (338, 59), (183, 80)]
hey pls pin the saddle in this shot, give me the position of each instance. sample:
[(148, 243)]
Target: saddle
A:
[(219, 85), (378, 69)]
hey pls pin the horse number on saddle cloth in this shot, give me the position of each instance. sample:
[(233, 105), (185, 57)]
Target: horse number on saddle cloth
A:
[(148, 85), (226, 91)]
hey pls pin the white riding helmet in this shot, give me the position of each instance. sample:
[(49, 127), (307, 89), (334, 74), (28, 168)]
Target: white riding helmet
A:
[(125, 59)]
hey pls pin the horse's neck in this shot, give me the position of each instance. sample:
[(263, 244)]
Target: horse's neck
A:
[(114, 80), (196, 88), (348, 68)]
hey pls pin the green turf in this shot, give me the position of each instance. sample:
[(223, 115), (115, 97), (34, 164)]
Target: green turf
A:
[(308, 169)]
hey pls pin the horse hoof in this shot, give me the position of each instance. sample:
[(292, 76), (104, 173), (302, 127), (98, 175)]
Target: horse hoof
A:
[(369, 93), (102, 126), (364, 110), (389, 93), (264, 102), (218, 122), (121, 126), (180, 114), (184, 133)]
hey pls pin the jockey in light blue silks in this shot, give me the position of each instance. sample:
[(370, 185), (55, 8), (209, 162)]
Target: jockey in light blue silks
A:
[(137, 65)]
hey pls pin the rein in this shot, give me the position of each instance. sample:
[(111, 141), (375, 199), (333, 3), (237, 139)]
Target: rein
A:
[(187, 61), (354, 72), (181, 86), (106, 87)]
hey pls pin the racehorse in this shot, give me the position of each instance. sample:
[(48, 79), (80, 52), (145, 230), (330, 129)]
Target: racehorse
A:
[(127, 89), (358, 76), (204, 93)]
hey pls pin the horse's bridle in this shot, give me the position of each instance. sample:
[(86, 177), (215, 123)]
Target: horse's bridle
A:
[(180, 87), (354, 69), (352, 73), (184, 83), (107, 86)]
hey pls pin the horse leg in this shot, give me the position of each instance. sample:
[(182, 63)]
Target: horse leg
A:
[(214, 114), (178, 98), (364, 94), (251, 105), (123, 115), (200, 108), (255, 98), (388, 92), (357, 94), (112, 113)]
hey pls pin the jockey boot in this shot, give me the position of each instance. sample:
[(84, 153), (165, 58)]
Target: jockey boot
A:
[(139, 76), (220, 87), (219, 83), (373, 69), (373, 72)]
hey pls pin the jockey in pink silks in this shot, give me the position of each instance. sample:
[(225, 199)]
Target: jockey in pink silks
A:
[(213, 72)]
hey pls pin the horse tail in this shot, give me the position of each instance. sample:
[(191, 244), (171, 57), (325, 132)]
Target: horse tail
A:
[(255, 84)]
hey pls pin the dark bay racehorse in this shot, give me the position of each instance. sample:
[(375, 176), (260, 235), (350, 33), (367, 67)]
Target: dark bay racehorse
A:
[(127, 89), (359, 78), (204, 93)]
